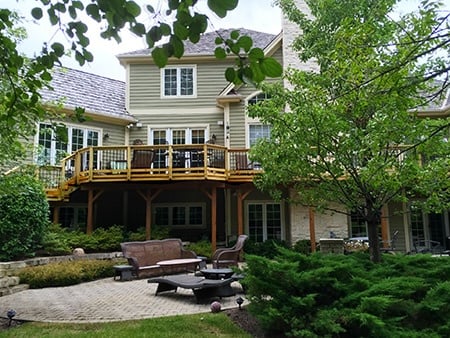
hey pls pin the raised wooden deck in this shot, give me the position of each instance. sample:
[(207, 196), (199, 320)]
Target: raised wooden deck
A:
[(147, 164)]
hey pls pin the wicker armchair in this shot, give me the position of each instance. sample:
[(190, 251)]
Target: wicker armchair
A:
[(226, 257)]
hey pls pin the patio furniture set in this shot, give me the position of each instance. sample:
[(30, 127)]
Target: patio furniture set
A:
[(172, 266)]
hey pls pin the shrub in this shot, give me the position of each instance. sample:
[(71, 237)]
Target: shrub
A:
[(157, 232), (201, 248), (265, 249), (55, 242), (24, 215), (66, 273), (302, 246), (349, 296), (108, 239)]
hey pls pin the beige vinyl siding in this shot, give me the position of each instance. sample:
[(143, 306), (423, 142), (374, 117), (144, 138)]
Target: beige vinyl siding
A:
[(145, 87), (170, 118)]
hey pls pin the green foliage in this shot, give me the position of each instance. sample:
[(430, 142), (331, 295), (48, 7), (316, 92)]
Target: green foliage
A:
[(345, 295), (66, 273), (201, 248), (24, 214), (350, 137), (302, 246), (265, 249), (55, 242)]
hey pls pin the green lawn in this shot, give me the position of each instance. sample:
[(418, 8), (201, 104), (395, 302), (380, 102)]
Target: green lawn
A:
[(198, 326)]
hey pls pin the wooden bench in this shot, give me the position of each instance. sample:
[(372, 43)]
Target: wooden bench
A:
[(144, 256)]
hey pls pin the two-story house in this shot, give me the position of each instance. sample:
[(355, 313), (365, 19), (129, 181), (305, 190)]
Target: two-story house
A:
[(169, 147)]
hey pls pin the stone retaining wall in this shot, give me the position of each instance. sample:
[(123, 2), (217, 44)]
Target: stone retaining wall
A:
[(10, 283)]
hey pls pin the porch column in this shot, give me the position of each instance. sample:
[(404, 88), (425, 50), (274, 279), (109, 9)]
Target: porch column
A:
[(312, 228), (90, 212), (240, 214)]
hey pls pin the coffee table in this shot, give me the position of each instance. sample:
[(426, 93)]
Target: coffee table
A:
[(180, 261), (217, 273)]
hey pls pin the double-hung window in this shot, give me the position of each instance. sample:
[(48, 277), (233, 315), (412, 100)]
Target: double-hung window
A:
[(179, 81)]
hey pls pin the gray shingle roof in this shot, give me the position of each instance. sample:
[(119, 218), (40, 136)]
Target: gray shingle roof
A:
[(206, 45), (92, 92)]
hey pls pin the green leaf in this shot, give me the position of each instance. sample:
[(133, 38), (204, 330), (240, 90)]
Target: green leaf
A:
[(58, 48), (37, 13), (155, 33), (218, 40), (230, 74), (256, 54), (173, 4), (165, 29), (150, 9), (138, 29), (220, 53), (271, 67), (180, 30), (133, 8), (245, 43), (93, 11), (234, 34), (257, 75), (178, 46), (88, 55), (159, 55)]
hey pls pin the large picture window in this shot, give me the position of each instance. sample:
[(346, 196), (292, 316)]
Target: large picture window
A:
[(189, 215), (55, 144), (178, 81), (264, 221)]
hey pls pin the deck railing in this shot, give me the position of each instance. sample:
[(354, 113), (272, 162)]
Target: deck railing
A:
[(150, 163)]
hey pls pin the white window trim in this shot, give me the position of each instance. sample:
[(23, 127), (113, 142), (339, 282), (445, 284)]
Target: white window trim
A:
[(179, 96), (72, 126), (282, 225), (185, 205), (168, 129)]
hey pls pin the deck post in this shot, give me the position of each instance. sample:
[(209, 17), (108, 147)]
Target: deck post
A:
[(214, 219), (90, 212), (148, 214)]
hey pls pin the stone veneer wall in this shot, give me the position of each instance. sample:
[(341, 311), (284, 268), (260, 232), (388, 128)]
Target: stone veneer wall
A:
[(10, 283)]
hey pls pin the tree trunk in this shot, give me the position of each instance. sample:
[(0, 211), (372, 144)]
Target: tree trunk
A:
[(374, 242)]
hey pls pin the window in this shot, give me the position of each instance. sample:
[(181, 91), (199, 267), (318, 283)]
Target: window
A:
[(73, 217), (258, 98), (56, 143), (257, 132), (264, 221), (191, 215), (178, 81), (358, 226)]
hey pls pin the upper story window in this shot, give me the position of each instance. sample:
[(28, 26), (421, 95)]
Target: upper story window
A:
[(179, 81), (258, 98), (257, 132)]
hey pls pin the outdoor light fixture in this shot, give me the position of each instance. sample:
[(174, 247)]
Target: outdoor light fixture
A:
[(239, 302)]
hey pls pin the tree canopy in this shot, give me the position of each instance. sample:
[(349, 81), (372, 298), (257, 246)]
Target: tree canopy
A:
[(347, 133)]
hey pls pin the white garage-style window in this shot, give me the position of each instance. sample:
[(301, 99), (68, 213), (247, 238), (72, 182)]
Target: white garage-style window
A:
[(179, 81)]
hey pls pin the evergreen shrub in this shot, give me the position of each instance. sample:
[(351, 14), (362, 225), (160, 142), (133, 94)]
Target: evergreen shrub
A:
[(349, 296), (66, 273)]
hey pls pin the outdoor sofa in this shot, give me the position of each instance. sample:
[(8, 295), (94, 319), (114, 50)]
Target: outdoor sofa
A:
[(144, 256)]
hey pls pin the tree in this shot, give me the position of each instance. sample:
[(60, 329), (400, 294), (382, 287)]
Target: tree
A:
[(23, 78), (349, 134)]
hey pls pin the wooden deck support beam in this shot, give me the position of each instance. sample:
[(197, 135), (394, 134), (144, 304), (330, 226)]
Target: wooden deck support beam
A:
[(90, 212), (148, 198), (312, 228)]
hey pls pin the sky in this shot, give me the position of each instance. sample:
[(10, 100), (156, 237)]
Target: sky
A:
[(259, 15)]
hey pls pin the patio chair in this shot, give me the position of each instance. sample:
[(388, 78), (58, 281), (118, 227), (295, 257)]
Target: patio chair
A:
[(142, 159), (391, 244), (428, 246), (226, 257)]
